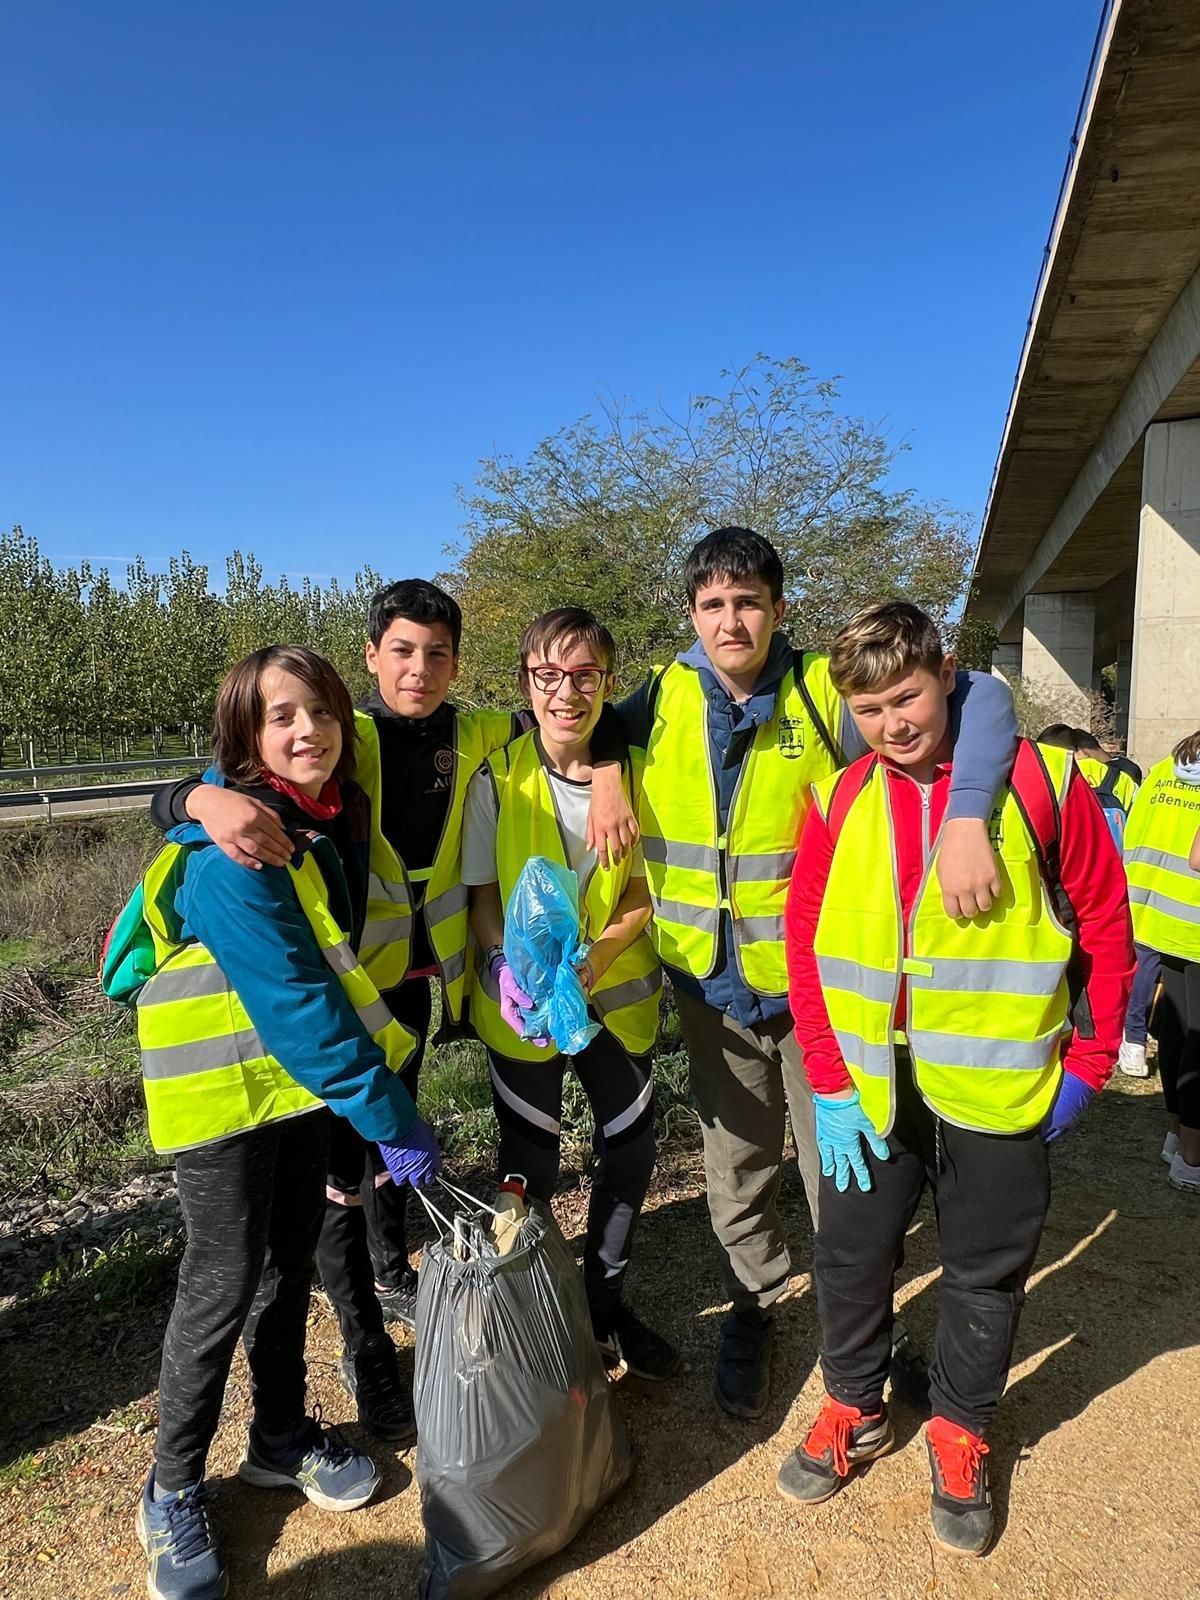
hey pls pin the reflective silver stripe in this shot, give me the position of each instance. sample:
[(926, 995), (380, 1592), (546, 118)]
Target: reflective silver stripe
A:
[(454, 967), (674, 853), (531, 1114), (766, 867), (1142, 855), (484, 974), (627, 993), (447, 904), (704, 917), (386, 931), (991, 977), (631, 1113), (873, 1059), (340, 956), (374, 1016), (386, 889), (202, 1055), (869, 982), (960, 1050), (1164, 904), (758, 930), (184, 983)]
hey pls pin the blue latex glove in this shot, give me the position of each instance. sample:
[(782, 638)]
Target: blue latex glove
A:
[(416, 1159), (1070, 1103), (842, 1125)]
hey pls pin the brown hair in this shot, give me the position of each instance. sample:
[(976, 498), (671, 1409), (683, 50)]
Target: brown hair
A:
[(881, 643), (567, 626), (238, 717), (1188, 750)]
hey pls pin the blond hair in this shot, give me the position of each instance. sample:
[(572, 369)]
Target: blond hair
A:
[(884, 642)]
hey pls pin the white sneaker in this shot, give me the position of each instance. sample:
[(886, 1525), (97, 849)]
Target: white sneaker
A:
[(1170, 1147), (1182, 1176), (1131, 1059)]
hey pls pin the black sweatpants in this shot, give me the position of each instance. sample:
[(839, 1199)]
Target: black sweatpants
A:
[(1177, 1029), (527, 1096), (991, 1193), (364, 1238), (252, 1205)]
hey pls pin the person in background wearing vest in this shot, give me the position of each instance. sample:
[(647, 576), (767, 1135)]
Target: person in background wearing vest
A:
[(532, 799), (258, 1016), (936, 1052), (1164, 895), (1111, 777), (735, 731), (416, 753)]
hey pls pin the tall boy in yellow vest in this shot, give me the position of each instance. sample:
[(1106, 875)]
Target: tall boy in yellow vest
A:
[(531, 799), (936, 1051), (416, 753), (735, 731)]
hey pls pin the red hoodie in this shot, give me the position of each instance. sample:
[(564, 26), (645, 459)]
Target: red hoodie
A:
[(1092, 875)]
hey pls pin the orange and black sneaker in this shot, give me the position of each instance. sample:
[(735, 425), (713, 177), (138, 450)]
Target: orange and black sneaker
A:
[(961, 1507), (841, 1438)]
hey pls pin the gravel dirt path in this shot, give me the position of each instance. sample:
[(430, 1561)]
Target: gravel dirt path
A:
[(1094, 1465)]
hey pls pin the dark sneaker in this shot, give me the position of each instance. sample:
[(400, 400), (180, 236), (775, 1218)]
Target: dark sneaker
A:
[(372, 1380), (642, 1352), (318, 1462), (743, 1383), (841, 1438), (908, 1370), (961, 1507), (399, 1300), (184, 1562)]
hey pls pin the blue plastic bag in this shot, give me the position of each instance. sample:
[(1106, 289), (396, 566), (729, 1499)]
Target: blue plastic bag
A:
[(542, 945)]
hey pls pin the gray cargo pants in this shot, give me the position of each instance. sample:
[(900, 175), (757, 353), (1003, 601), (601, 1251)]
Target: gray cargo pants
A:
[(746, 1082)]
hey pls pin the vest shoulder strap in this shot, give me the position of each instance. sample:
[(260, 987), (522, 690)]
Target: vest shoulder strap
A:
[(836, 753), (847, 787), (1036, 796)]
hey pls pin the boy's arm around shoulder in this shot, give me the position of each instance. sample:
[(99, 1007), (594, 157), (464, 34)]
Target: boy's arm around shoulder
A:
[(254, 926), (1094, 879), (983, 725)]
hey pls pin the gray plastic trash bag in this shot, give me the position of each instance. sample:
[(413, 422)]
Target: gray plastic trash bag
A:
[(518, 1439)]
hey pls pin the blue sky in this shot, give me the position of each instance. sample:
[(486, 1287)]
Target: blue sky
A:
[(276, 276)]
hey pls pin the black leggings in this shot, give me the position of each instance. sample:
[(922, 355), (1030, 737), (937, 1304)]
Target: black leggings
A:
[(364, 1238), (990, 1194), (527, 1096), (1177, 1029), (252, 1205)]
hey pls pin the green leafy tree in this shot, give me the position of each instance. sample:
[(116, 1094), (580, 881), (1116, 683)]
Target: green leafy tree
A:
[(604, 512)]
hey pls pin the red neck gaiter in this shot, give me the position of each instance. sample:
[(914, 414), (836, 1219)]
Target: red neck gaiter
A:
[(327, 804)]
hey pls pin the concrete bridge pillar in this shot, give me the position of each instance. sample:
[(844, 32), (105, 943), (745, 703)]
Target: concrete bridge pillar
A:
[(1057, 648), (1164, 692)]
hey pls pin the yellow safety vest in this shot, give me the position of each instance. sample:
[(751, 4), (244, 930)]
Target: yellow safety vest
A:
[(1164, 892), (205, 1071), (386, 947), (987, 996), (695, 872), (1123, 786), (626, 998)]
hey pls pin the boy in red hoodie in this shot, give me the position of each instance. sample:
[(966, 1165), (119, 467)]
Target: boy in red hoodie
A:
[(939, 1051)]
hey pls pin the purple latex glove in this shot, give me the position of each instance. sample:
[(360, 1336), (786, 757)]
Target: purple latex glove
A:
[(416, 1159), (513, 1000), (1070, 1103)]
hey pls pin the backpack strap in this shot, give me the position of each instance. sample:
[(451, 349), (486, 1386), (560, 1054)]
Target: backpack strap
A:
[(1108, 789), (847, 787), (836, 753), (1037, 800)]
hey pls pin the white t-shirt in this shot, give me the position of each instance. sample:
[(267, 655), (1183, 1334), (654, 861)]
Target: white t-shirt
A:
[(572, 799)]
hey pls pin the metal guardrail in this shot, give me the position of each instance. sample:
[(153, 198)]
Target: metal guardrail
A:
[(142, 764), (49, 798)]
